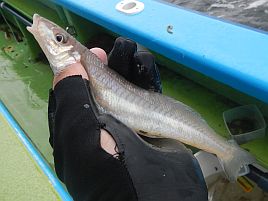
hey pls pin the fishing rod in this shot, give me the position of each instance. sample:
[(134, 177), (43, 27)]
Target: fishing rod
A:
[(5, 7)]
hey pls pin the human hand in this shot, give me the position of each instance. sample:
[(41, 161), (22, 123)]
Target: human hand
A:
[(137, 67), (125, 167)]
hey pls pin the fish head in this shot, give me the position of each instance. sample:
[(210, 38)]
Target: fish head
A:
[(59, 46)]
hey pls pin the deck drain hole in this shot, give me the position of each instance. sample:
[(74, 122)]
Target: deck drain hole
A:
[(130, 6)]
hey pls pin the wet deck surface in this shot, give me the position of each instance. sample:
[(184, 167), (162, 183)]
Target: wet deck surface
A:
[(24, 91)]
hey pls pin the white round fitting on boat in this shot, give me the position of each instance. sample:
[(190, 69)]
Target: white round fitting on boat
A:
[(130, 6)]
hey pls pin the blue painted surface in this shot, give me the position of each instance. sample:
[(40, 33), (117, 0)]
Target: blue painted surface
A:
[(64, 195), (234, 55)]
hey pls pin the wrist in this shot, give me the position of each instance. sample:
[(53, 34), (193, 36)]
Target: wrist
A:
[(73, 69)]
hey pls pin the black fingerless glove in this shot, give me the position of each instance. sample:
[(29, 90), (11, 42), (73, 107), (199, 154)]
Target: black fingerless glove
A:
[(88, 172), (140, 172)]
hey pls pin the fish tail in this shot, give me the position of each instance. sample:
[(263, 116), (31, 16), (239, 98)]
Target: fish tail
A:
[(234, 160)]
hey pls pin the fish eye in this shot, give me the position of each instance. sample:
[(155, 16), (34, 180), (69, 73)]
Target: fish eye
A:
[(60, 38)]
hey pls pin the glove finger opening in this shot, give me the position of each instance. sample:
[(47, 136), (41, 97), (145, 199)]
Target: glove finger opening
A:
[(108, 143)]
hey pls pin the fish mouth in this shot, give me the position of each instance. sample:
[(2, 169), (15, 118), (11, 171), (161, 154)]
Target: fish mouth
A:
[(32, 29)]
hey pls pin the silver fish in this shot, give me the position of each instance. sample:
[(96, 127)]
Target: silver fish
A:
[(152, 114)]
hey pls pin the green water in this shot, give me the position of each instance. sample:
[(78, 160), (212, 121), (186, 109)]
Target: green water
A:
[(21, 178)]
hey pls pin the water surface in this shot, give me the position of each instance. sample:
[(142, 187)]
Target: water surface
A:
[(253, 13)]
